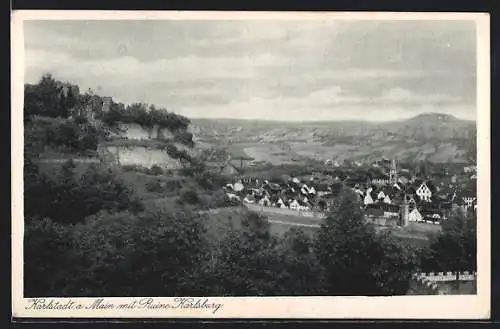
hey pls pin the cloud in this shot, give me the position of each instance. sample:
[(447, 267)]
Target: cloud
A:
[(288, 68), (190, 67), (404, 96)]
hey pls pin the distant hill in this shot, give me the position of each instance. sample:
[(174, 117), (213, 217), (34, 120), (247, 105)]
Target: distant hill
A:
[(433, 126), (432, 136)]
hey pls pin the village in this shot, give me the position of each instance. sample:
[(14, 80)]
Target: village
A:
[(396, 196)]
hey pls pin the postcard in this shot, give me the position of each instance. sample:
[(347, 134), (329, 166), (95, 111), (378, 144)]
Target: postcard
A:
[(250, 165)]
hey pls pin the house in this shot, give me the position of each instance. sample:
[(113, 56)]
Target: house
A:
[(411, 201), (233, 196), (305, 189), (468, 201), (381, 195), (304, 206), (415, 216), (323, 193), (312, 190), (249, 199), (466, 198), (379, 181), (387, 199), (274, 200), (367, 199), (390, 210), (424, 192), (469, 169), (238, 186), (430, 213), (265, 201), (294, 205), (296, 180), (281, 204)]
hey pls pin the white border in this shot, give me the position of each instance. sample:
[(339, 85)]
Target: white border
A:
[(401, 307)]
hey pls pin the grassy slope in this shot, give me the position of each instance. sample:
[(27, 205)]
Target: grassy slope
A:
[(414, 235)]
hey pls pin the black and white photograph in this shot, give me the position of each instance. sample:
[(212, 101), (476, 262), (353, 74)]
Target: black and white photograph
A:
[(237, 156)]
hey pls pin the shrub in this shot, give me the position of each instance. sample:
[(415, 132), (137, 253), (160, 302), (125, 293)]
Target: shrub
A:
[(156, 170), (190, 196), (47, 257), (154, 186)]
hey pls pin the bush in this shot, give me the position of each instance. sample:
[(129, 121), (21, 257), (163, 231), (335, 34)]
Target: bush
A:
[(154, 186), (156, 170), (68, 199), (47, 258), (190, 196), (154, 253)]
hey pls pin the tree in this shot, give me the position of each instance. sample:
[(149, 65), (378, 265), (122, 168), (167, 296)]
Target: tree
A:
[(243, 261), (50, 98), (355, 259), (67, 199), (47, 257), (454, 249), (155, 253), (300, 272)]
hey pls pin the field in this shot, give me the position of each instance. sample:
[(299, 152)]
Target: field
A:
[(415, 235), (428, 137)]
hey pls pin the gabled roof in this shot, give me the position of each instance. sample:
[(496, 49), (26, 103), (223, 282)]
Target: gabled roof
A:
[(428, 183)]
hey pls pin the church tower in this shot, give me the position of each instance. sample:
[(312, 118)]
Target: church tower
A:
[(404, 212), (393, 173)]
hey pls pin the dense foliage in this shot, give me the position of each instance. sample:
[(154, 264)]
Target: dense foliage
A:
[(356, 260), (455, 248)]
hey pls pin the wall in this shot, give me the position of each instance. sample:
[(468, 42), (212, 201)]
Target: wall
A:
[(135, 131), (283, 211), (142, 156), (447, 276)]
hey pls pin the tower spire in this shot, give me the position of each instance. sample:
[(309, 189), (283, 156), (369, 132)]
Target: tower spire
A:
[(393, 173)]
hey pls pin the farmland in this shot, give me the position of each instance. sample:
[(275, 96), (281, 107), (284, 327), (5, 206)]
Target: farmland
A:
[(432, 137), (415, 234)]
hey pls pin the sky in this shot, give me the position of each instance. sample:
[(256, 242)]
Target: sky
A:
[(265, 69)]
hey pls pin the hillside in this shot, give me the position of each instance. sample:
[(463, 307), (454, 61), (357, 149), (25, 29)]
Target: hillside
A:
[(434, 137)]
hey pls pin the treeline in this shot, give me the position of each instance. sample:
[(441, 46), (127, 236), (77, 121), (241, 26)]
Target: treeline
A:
[(52, 98), (59, 116)]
